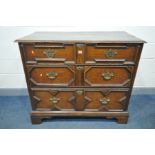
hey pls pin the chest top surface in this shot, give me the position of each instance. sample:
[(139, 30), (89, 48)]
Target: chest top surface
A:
[(94, 37)]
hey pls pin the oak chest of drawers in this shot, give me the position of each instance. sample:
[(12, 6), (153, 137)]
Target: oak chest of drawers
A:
[(80, 73)]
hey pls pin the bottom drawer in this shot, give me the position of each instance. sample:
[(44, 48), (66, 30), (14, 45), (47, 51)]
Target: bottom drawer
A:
[(87, 99)]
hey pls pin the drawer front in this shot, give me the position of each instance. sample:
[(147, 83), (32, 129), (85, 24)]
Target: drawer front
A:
[(81, 76), (54, 53), (106, 100), (53, 99), (111, 53), (80, 99), (51, 75), (108, 76)]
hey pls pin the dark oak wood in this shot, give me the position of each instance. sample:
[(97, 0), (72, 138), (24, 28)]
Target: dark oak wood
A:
[(88, 74), (36, 120), (122, 119), (49, 52), (121, 76), (81, 37), (122, 52), (62, 75), (87, 99), (38, 116)]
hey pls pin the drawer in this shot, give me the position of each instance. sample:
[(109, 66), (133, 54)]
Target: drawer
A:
[(106, 99), (111, 53), (51, 75), (53, 99), (48, 52), (57, 99), (108, 76), (80, 76)]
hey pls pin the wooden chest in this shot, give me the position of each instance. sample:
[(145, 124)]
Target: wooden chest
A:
[(80, 73)]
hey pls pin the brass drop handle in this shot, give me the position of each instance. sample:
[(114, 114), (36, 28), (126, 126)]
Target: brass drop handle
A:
[(54, 100), (110, 53), (107, 75), (52, 75), (49, 53), (104, 100)]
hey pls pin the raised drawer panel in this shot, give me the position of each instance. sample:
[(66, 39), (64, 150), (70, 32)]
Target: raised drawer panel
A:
[(54, 53), (80, 76), (54, 100), (112, 53), (106, 100), (51, 75), (108, 76)]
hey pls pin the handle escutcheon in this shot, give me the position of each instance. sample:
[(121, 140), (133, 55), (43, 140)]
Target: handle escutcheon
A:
[(107, 75), (110, 53), (52, 75), (104, 100), (79, 68), (79, 92), (49, 53)]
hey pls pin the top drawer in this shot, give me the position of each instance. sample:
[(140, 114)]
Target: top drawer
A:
[(111, 53), (49, 52)]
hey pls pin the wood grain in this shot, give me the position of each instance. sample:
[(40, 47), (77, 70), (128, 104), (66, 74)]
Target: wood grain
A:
[(89, 37)]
